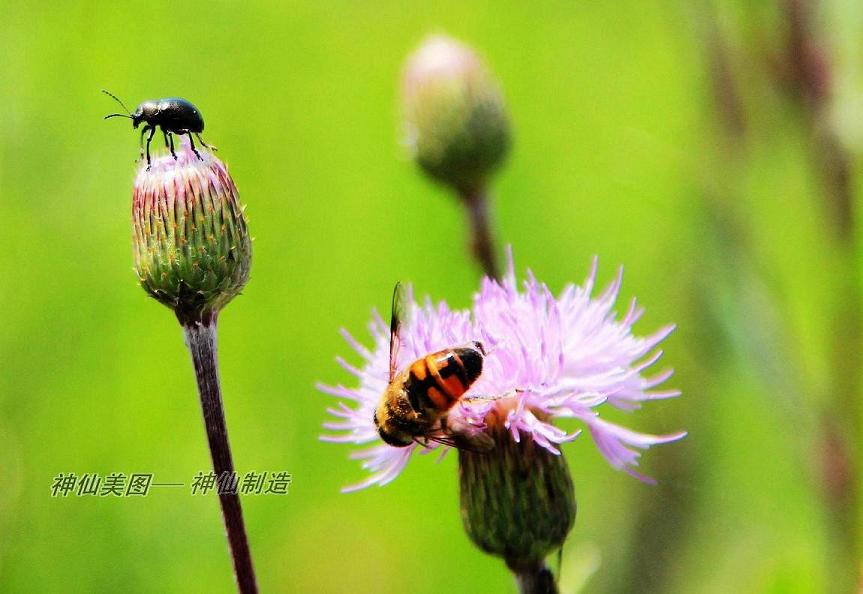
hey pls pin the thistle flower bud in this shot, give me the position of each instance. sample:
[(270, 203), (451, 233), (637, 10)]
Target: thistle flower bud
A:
[(191, 243), (517, 501), (456, 123)]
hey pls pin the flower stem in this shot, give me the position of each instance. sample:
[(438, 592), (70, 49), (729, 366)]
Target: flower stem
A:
[(481, 239), (201, 340), (535, 580), (841, 427)]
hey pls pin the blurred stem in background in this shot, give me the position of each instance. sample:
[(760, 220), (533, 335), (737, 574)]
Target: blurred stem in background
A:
[(659, 539), (479, 232), (808, 71), (827, 443)]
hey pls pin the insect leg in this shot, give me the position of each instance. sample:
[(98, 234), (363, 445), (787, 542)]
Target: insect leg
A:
[(149, 138), (194, 150), (144, 130), (169, 142), (204, 144)]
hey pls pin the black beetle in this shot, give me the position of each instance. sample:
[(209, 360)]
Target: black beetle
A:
[(172, 114)]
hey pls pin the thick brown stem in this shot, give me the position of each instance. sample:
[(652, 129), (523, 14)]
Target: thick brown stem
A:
[(201, 340)]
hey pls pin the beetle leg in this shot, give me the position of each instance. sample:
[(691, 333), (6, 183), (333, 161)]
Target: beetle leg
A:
[(169, 142), (194, 150), (144, 130), (149, 138), (204, 144)]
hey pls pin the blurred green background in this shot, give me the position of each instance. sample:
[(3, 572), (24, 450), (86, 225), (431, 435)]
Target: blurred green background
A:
[(710, 148)]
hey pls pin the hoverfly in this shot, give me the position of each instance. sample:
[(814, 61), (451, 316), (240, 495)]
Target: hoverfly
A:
[(415, 404)]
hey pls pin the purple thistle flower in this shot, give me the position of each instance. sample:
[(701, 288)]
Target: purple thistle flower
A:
[(547, 357)]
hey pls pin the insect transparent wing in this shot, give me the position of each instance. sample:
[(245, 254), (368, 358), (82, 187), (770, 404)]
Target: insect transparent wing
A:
[(478, 443), (464, 436), (395, 327)]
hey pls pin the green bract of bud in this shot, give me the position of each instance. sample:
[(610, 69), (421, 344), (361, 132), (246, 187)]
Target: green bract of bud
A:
[(456, 123), (191, 243), (517, 501)]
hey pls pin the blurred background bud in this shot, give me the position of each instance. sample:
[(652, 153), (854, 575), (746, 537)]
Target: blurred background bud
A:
[(191, 243), (455, 119)]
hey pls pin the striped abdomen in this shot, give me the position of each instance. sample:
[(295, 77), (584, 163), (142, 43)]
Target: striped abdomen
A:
[(437, 381)]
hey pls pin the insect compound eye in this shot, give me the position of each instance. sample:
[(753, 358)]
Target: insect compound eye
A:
[(472, 361)]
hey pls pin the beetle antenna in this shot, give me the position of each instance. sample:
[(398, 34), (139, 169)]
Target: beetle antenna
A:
[(117, 115), (123, 105)]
